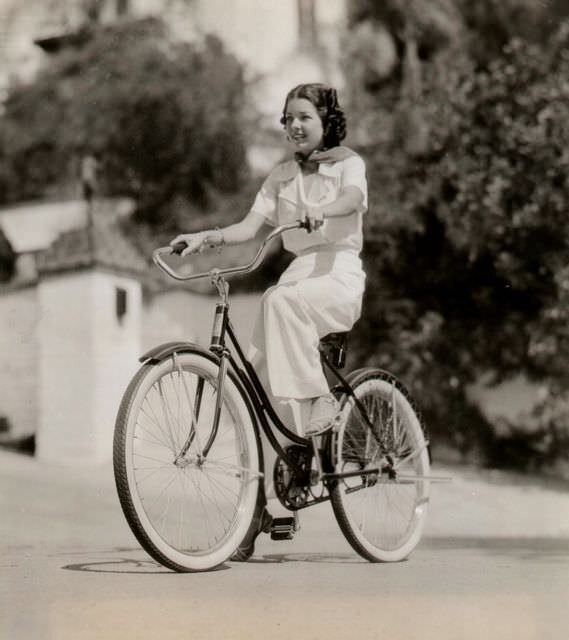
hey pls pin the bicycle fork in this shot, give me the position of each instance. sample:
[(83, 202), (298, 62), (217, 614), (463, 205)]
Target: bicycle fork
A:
[(195, 407), (217, 346)]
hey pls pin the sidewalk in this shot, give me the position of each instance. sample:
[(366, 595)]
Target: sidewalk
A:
[(47, 503), (498, 504)]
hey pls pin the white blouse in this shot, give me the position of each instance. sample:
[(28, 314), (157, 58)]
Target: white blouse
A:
[(280, 201)]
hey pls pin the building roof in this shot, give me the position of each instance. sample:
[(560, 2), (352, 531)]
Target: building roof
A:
[(103, 244), (34, 226)]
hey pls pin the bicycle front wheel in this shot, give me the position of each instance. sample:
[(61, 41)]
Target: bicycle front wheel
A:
[(380, 503), (188, 491)]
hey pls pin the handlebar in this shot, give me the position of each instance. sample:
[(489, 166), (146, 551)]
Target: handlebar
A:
[(230, 271)]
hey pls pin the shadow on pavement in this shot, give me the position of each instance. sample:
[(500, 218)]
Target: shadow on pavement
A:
[(147, 566), (124, 566), (325, 558)]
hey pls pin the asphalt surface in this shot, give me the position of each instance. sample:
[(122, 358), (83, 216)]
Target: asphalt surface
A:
[(494, 563)]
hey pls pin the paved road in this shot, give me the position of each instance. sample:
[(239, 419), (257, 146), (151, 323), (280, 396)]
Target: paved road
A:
[(494, 564)]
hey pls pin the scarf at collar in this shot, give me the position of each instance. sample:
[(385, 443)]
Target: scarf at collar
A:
[(335, 154)]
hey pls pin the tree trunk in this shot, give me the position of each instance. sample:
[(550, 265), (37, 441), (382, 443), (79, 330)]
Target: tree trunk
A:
[(414, 128)]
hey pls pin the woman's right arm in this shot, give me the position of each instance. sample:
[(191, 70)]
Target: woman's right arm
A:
[(245, 230), (236, 233)]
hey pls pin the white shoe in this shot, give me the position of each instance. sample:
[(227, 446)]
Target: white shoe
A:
[(323, 415)]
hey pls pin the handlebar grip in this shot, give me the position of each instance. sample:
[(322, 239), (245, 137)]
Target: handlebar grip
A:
[(178, 248)]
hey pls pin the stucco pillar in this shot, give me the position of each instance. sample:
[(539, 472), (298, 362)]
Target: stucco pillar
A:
[(90, 335)]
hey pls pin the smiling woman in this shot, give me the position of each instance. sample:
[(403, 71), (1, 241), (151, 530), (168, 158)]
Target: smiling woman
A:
[(321, 290)]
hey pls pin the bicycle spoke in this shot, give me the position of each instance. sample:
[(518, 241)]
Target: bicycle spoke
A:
[(146, 410), (167, 417), (152, 471), (223, 488), (411, 456), (155, 498)]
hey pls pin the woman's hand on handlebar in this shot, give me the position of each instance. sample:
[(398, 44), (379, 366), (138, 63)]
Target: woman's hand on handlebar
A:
[(313, 218), (194, 243), (187, 243)]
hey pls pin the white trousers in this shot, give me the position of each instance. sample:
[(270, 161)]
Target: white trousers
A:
[(319, 293)]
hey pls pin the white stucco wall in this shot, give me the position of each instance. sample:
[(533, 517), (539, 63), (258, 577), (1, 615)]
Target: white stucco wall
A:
[(67, 359), (184, 315), (261, 34), (116, 352), (86, 359), (18, 360)]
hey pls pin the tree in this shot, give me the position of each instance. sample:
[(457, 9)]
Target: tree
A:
[(491, 24), (467, 243), (420, 30), (166, 120)]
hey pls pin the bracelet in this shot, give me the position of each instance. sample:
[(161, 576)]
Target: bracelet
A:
[(218, 246)]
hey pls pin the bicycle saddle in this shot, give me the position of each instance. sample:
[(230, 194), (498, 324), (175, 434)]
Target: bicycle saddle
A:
[(334, 346)]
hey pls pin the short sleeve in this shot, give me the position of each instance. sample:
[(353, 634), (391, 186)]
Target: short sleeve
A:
[(266, 201), (354, 175)]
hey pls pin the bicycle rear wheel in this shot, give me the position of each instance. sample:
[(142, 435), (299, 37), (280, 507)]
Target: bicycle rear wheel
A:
[(382, 510), (189, 507)]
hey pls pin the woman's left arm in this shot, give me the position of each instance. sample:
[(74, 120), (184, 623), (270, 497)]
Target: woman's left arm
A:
[(350, 199)]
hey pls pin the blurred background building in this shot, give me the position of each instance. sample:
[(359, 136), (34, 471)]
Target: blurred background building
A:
[(81, 307), (459, 110), (280, 43)]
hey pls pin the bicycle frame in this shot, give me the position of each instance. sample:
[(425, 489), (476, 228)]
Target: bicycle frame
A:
[(263, 407), (189, 460), (234, 357), (250, 380), (243, 369), (264, 410)]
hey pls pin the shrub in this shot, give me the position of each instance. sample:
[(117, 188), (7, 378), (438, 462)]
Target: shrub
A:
[(467, 243), (166, 120)]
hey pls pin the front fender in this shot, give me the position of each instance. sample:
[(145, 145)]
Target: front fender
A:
[(163, 351)]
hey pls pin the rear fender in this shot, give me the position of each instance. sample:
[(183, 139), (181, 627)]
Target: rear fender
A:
[(163, 351)]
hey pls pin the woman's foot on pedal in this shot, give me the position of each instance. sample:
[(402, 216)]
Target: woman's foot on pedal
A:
[(247, 547), (323, 415)]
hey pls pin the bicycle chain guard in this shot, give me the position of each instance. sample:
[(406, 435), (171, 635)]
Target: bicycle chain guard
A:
[(291, 486), (297, 489)]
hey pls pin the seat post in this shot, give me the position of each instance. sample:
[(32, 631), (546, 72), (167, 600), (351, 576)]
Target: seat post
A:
[(335, 347)]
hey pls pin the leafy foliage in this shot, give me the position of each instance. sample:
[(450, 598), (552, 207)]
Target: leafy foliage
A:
[(466, 140), (467, 248), (492, 24), (165, 119)]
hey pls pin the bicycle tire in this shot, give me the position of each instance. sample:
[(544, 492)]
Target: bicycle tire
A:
[(188, 515), (381, 515)]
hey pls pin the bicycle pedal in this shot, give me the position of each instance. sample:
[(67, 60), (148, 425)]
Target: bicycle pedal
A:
[(283, 528)]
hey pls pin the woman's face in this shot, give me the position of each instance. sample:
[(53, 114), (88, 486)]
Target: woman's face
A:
[(303, 125)]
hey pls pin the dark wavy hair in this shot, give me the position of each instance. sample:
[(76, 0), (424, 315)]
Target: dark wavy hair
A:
[(325, 100)]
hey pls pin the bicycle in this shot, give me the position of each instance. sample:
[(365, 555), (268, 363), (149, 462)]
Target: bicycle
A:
[(188, 459)]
